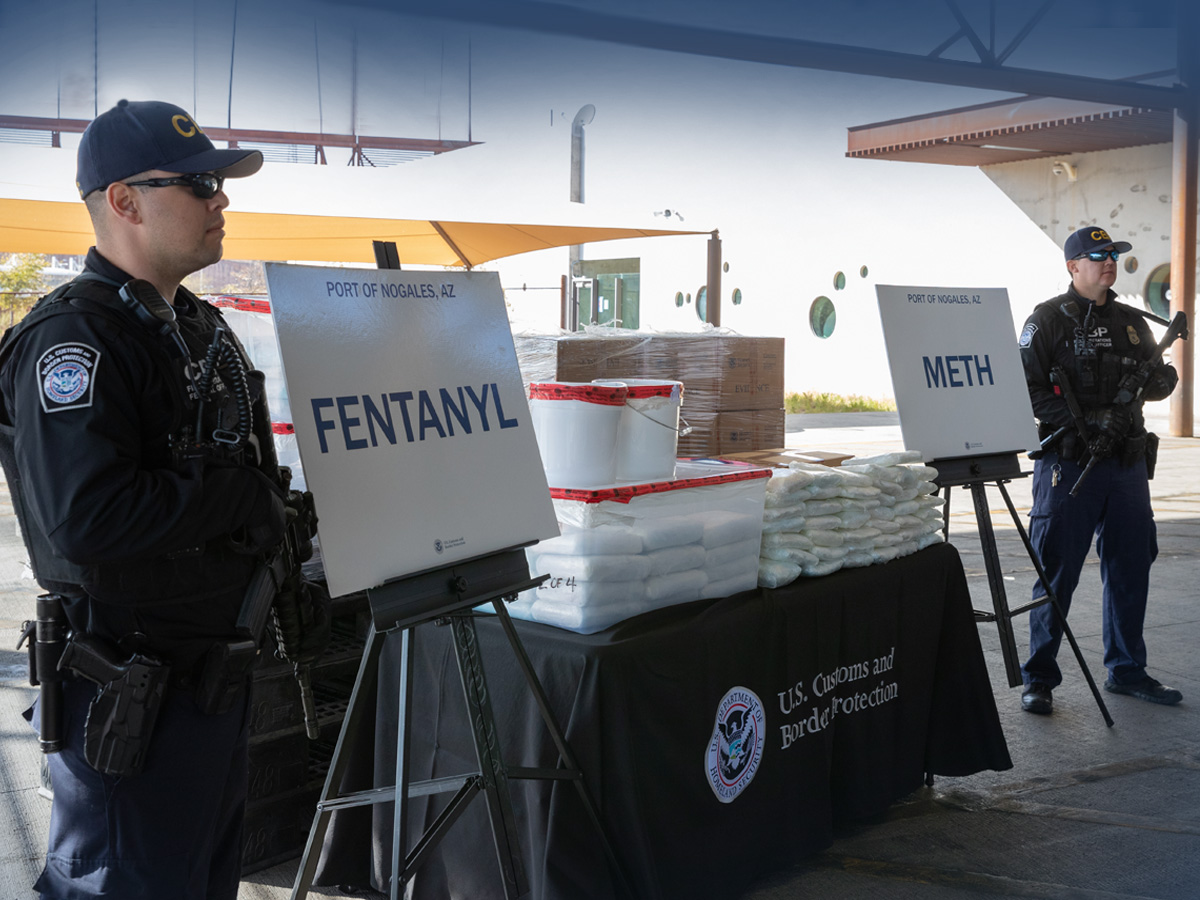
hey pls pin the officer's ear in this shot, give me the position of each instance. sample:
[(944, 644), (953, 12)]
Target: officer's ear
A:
[(124, 202)]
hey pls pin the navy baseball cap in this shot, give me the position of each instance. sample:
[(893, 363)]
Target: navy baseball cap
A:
[(1093, 237), (136, 136)]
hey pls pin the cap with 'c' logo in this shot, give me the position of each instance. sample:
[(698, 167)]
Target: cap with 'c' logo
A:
[(140, 135), (1090, 238)]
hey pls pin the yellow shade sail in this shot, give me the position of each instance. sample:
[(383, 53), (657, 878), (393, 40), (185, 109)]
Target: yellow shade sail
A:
[(45, 226)]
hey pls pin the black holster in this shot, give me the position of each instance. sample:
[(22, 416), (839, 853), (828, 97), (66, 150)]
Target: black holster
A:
[(121, 717), (1151, 454)]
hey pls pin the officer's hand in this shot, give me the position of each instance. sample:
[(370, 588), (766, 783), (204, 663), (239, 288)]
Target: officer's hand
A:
[(263, 528), (1161, 383), (1112, 422)]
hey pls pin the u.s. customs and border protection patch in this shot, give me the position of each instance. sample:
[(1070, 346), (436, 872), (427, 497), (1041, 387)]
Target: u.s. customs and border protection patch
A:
[(67, 374), (1027, 334), (1133, 335), (736, 747)]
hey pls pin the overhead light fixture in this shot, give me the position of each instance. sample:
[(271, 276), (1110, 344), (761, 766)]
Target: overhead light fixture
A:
[(1062, 167)]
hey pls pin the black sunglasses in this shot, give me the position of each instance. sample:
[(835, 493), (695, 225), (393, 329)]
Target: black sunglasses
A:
[(1101, 255), (204, 185)]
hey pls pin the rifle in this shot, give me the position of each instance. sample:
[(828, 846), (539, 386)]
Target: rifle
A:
[(1129, 392)]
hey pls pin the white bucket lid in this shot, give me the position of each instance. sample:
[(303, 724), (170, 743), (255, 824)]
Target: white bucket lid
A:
[(641, 388)]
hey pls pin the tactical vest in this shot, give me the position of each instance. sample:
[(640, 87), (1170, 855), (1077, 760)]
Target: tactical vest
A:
[(1097, 372), (206, 571)]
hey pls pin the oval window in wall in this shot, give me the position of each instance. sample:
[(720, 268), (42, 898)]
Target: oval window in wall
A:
[(822, 317)]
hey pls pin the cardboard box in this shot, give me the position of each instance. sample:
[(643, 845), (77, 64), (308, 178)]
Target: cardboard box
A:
[(718, 372), (745, 430)]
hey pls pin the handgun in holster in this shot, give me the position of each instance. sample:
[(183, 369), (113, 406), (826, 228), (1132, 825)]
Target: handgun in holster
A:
[(121, 717)]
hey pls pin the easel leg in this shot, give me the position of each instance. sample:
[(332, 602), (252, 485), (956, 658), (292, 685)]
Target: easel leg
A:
[(1037, 565), (367, 673), (560, 743), (400, 814), (487, 749), (991, 559)]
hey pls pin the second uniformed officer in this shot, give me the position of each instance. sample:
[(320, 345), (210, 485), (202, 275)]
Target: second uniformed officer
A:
[(1098, 343)]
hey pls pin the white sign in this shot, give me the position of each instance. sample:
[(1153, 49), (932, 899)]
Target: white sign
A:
[(956, 371), (411, 418)]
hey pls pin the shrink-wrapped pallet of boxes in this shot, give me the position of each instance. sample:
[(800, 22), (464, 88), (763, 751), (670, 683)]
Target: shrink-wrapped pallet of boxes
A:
[(633, 548), (732, 385)]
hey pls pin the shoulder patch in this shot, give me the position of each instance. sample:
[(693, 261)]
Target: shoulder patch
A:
[(67, 375), (1133, 335), (1027, 335)]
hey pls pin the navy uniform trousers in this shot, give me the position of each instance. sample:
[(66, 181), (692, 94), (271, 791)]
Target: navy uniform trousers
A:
[(171, 832), (1114, 505)]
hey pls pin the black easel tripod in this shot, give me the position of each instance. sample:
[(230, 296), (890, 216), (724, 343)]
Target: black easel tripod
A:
[(999, 469), (448, 595)]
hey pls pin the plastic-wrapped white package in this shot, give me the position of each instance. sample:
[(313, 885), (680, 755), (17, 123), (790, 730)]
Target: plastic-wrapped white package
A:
[(886, 526), (895, 458), (825, 507), (790, 523), (824, 567), (854, 518), (676, 559), (826, 538), (928, 540), (731, 571), (790, 554), (906, 507), (883, 512), (720, 556), (670, 532), (605, 540), (857, 559), (678, 587), (724, 527), (822, 523), (803, 541), (594, 568), (927, 473), (824, 553), (862, 535), (774, 573), (786, 512)]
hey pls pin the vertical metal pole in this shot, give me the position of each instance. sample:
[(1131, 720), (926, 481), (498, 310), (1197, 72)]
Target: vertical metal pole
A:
[(713, 287), (618, 301), (564, 298), (595, 314), (1183, 211)]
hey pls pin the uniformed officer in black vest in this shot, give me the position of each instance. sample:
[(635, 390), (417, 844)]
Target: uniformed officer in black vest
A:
[(1098, 342), (109, 398)]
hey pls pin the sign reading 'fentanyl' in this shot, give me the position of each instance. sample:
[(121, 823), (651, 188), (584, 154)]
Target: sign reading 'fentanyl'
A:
[(956, 371), (411, 418)]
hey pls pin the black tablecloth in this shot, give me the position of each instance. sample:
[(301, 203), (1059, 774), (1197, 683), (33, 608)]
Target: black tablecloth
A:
[(868, 679)]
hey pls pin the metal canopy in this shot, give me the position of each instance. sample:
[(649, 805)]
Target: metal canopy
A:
[(1008, 131)]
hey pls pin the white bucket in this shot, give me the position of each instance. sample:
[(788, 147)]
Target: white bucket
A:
[(649, 433), (576, 425)]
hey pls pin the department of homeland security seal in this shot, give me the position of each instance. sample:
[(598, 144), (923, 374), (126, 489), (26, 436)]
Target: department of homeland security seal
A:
[(736, 747), (67, 373)]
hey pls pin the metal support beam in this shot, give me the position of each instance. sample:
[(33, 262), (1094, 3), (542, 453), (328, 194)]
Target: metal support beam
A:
[(1186, 151), (557, 18)]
